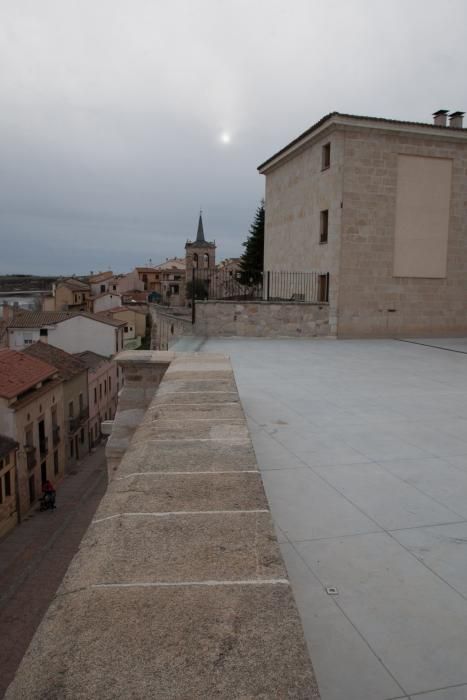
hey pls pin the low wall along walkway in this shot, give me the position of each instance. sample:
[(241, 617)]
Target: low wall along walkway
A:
[(261, 319), (178, 589)]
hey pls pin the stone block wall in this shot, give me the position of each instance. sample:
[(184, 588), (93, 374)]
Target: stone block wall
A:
[(261, 319), (167, 327), (296, 193), (372, 302)]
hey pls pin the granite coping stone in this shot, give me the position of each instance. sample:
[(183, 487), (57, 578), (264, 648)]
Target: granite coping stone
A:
[(183, 643), (179, 385), (196, 397), (164, 548), (156, 492), (196, 455), (202, 430), (193, 411), (178, 590)]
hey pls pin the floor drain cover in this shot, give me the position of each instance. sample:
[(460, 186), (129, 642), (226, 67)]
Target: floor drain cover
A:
[(332, 590)]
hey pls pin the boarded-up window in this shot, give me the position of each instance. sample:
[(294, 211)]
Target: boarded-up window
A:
[(422, 216)]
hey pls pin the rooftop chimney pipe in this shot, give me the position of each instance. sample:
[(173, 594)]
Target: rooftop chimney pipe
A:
[(456, 119), (440, 117)]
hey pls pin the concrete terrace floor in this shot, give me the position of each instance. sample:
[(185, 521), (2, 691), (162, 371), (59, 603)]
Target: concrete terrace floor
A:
[(363, 449)]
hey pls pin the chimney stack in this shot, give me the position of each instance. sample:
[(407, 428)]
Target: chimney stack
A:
[(456, 119), (440, 118), (6, 312)]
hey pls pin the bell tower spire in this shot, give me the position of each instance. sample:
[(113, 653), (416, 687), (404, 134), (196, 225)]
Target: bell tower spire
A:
[(200, 233)]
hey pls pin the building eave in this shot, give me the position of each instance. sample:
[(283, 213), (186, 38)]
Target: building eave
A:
[(348, 121)]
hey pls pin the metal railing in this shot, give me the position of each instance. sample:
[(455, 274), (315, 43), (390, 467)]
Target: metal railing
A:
[(295, 287)]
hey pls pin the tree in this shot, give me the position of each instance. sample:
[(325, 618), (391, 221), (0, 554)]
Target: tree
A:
[(252, 259), (200, 288)]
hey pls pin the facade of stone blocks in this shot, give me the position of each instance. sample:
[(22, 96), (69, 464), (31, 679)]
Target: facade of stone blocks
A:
[(378, 246)]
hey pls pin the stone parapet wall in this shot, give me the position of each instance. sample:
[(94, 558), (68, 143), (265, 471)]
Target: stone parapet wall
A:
[(168, 327), (261, 319), (178, 589)]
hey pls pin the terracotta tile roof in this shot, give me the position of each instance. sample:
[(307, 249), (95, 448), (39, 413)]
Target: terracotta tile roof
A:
[(91, 359), (38, 319), (20, 372), (68, 366), (116, 309), (7, 444), (100, 277), (74, 284), (365, 119)]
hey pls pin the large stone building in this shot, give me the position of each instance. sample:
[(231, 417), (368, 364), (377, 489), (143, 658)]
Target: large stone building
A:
[(380, 205)]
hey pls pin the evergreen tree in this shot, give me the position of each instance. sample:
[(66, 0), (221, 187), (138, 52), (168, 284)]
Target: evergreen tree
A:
[(253, 258)]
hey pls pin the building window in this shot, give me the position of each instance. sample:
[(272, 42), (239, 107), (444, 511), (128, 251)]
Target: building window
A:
[(102, 288), (27, 339), (56, 462), (323, 226), (7, 484), (323, 288), (326, 156), (81, 403), (70, 409), (100, 390), (81, 436), (105, 386), (126, 329), (72, 451), (195, 260), (110, 385), (95, 394), (43, 332)]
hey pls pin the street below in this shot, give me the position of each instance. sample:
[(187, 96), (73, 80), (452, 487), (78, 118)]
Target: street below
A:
[(36, 554)]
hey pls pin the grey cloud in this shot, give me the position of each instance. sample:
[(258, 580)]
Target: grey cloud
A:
[(112, 111)]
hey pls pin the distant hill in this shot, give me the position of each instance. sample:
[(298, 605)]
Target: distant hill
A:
[(25, 283)]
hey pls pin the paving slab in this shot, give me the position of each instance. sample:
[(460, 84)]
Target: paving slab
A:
[(453, 693), (188, 491), (305, 507), (436, 478), (345, 665), (443, 548), (403, 408), (390, 502), (409, 617)]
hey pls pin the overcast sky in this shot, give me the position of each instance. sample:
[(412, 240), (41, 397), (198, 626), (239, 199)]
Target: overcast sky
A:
[(113, 111)]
